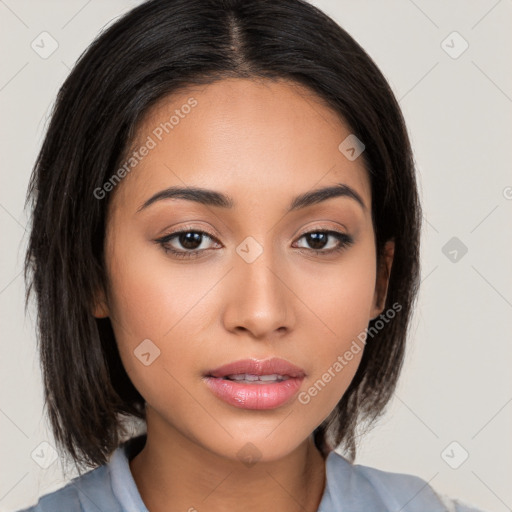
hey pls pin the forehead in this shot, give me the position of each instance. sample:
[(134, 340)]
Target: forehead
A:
[(244, 137)]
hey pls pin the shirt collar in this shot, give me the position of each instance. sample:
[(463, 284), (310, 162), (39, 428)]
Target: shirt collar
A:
[(126, 492)]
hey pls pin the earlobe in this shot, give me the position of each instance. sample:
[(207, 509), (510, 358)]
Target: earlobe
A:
[(382, 279), (100, 308)]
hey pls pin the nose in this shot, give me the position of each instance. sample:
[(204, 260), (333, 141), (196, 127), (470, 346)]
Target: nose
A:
[(258, 298)]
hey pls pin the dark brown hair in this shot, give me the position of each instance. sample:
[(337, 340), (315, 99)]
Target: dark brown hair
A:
[(153, 51)]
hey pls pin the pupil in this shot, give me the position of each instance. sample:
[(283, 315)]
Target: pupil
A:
[(318, 240), (190, 240)]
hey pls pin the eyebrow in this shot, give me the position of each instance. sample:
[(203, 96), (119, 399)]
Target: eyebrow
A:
[(213, 198)]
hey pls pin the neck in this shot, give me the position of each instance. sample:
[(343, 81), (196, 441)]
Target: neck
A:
[(173, 473)]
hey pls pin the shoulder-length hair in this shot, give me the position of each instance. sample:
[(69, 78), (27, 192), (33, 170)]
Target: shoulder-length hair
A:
[(154, 50)]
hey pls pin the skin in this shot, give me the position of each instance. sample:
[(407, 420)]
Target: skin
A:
[(263, 143)]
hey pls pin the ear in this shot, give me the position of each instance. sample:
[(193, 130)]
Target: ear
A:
[(382, 279), (100, 308)]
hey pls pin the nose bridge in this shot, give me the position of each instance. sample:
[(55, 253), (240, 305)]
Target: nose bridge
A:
[(259, 301)]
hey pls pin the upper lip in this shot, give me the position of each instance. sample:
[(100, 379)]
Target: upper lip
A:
[(258, 367)]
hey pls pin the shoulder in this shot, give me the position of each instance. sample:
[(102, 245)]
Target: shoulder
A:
[(368, 488), (108, 488), (91, 491)]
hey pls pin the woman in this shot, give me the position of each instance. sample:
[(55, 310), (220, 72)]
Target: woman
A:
[(225, 245)]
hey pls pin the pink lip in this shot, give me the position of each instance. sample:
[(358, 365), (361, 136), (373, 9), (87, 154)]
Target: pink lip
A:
[(256, 396), (258, 367)]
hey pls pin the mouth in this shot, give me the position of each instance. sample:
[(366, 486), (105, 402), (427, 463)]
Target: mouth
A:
[(254, 370), (256, 384), (247, 378)]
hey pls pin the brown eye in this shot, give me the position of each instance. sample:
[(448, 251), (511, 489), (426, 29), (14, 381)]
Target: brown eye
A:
[(190, 240), (317, 240), (186, 243), (326, 241)]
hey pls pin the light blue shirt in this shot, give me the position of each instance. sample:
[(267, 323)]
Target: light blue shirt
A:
[(348, 488)]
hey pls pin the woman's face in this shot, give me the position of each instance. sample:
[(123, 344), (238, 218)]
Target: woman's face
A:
[(258, 286)]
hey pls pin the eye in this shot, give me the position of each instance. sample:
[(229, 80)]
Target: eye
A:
[(191, 241), (326, 241)]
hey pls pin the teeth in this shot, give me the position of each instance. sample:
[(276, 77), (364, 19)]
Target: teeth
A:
[(271, 377), (247, 377)]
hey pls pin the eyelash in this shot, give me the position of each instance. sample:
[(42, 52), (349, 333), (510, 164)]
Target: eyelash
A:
[(345, 241)]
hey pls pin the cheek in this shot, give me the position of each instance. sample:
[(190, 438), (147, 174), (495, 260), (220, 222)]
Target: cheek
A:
[(341, 298), (166, 303), (149, 295), (341, 293)]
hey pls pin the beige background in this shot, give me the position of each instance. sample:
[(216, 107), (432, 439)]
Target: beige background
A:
[(456, 385)]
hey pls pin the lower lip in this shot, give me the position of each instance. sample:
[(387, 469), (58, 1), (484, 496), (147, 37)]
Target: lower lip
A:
[(254, 396)]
